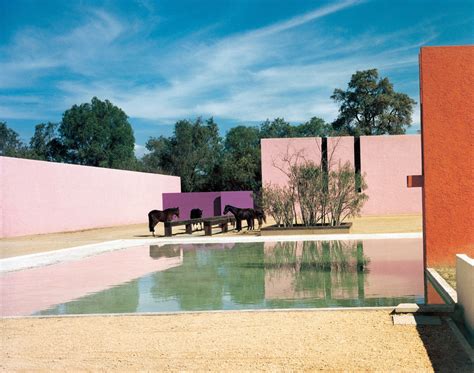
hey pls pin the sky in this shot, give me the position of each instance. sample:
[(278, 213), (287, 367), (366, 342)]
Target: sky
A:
[(240, 61)]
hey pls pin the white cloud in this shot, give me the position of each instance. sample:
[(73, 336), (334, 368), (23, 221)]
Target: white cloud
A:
[(140, 150)]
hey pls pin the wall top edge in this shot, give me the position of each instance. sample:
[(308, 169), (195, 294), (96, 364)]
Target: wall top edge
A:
[(466, 258), (438, 47), (341, 137), (59, 164)]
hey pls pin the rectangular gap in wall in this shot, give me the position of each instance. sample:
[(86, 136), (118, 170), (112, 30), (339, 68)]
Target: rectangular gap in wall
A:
[(324, 161), (357, 163)]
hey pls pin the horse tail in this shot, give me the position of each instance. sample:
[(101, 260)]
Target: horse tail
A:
[(264, 217), (150, 222)]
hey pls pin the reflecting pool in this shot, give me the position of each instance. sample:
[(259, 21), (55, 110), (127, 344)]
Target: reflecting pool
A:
[(190, 277)]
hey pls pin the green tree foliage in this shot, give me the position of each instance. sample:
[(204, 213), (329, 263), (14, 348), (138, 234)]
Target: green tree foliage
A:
[(242, 168), (315, 127), (97, 134), (11, 144), (279, 128), (276, 129), (370, 106), (45, 143), (193, 152)]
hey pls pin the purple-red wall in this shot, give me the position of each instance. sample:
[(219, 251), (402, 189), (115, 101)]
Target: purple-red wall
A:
[(211, 203), (447, 122), (39, 197), (385, 161)]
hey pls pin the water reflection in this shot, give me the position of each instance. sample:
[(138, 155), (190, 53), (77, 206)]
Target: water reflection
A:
[(326, 270), (260, 275)]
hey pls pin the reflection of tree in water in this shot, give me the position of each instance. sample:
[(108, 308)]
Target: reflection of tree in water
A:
[(118, 299), (196, 284), (206, 275), (319, 267), (245, 273)]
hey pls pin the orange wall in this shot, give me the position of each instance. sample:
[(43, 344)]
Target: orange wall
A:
[(447, 120)]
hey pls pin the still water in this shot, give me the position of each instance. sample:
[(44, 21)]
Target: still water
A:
[(189, 277)]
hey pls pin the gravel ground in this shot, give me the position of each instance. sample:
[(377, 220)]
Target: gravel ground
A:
[(230, 341)]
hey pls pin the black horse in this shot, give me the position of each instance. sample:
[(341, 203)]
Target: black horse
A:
[(155, 216), (240, 214), (196, 214), (260, 216)]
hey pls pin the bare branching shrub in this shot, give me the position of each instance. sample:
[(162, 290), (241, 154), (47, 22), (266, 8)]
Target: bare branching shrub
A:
[(321, 197), (344, 199), (309, 181), (278, 202)]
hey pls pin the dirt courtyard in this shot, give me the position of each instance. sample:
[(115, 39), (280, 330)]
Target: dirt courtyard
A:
[(230, 341), (14, 246)]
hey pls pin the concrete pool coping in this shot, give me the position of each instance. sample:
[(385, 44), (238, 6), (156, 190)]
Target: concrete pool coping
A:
[(76, 253), (200, 312)]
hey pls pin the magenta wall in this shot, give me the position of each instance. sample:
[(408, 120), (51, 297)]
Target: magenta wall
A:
[(211, 203), (241, 199), (39, 197), (386, 161)]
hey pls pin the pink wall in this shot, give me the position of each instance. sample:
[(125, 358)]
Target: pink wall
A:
[(386, 161), (39, 197), (340, 151), (275, 151)]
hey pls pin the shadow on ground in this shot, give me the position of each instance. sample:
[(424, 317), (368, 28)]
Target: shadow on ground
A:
[(444, 350)]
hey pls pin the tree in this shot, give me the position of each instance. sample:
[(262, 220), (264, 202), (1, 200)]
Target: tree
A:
[(276, 129), (242, 169), (10, 143), (370, 106), (97, 134), (46, 144), (193, 153), (315, 127)]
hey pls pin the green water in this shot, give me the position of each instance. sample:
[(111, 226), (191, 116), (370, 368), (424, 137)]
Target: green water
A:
[(249, 276)]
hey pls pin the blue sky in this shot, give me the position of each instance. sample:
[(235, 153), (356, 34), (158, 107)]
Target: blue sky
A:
[(241, 61)]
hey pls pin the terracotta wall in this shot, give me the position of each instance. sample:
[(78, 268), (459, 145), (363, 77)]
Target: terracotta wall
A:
[(43, 197), (447, 99), (385, 160)]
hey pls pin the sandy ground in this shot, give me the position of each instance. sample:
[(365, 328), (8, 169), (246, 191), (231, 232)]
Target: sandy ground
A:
[(236, 341), (38, 243)]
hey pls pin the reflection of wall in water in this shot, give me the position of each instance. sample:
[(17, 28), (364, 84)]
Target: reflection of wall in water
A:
[(312, 269), (396, 267), (35, 289), (392, 268)]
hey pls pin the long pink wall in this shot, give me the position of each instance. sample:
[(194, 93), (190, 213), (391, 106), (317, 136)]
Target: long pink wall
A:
[(39, 197), (386, 161)]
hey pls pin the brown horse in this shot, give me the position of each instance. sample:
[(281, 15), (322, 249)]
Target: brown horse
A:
[(240, 214), (155, 216), (260, 216)]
